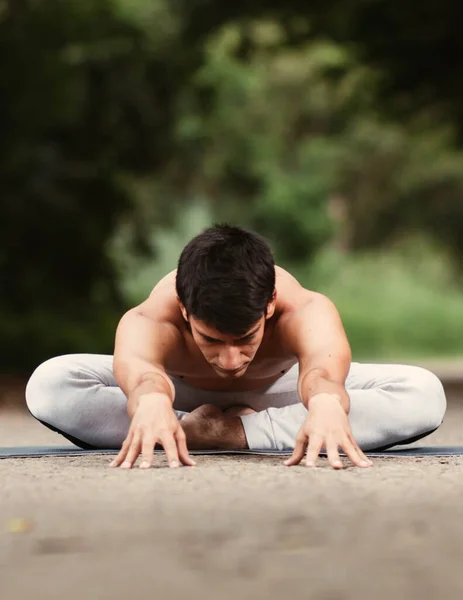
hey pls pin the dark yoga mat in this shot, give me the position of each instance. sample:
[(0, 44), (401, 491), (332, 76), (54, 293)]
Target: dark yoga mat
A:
[(37, 451)]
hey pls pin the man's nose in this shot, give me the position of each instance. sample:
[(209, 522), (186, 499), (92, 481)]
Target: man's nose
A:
[(230, 358)]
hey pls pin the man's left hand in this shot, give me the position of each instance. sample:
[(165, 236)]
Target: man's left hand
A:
[(327, 426)]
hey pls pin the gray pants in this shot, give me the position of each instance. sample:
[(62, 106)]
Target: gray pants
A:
[(78, 396)]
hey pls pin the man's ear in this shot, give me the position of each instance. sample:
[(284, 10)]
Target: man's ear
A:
[(183, 309), (271, 306)]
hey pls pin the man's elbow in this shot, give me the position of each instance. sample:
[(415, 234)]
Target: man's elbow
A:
[(155, 377), (311, 380)]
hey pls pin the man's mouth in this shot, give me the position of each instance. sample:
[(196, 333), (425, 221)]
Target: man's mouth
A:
[(230, 372)]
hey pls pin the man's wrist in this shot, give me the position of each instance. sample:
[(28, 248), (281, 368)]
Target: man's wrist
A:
[(153, 399), (321, 399)]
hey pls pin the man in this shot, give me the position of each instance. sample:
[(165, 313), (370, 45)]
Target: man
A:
[(231, 352)]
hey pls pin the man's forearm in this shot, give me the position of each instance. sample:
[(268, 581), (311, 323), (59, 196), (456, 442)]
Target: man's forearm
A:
[(315, 383)]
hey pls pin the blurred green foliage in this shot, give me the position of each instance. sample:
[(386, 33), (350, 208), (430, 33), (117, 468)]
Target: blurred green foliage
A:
[(129, 125), (397, 305)]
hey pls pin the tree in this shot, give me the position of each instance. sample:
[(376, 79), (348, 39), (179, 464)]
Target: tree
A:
[(416, 46), (83, 112)]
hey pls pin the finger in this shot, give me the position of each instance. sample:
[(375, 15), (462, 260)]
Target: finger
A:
[(123, 451), (298, 452), (368, 462), (169, 444), (333, 453), (147, 450), (183, 449), (313, 451), (133, 452), (352, 453)]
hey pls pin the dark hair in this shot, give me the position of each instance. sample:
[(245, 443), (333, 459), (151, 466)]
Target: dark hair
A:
[(226, 278)]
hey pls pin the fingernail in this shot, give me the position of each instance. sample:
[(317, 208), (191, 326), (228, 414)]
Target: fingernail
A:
[(125, 465), (174, 464), (144, 465), (112, 463), (309, 463), (366, 463)]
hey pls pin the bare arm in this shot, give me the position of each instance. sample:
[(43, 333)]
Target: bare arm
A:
[(317, 337), (142, 347)]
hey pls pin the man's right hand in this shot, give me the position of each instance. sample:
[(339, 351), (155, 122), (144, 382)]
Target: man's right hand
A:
[(154, 422)]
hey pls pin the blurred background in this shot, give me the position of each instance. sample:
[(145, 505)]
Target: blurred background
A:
[(333, 128)]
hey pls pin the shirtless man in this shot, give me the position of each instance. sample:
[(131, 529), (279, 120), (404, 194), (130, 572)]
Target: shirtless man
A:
[(231, 352)]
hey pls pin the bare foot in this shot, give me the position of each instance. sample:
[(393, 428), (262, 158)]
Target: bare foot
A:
[(208, 428)]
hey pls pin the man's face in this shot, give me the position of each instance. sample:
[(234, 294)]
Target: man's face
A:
[(228, 355)]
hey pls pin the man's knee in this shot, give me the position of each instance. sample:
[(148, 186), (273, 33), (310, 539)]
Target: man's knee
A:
[(46, 386), (428, 389)]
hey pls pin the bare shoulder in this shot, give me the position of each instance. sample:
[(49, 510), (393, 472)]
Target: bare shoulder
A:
[(161, 305), (295, 301), (305, 316), (154, 325), (308, 309)]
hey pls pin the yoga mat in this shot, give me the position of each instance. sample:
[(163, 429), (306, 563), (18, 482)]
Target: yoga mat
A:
[(38, 451)]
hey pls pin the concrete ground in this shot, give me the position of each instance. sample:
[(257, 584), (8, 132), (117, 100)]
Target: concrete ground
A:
[(233, 527)]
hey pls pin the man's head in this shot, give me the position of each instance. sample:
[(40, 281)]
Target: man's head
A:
[(226, 288)]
